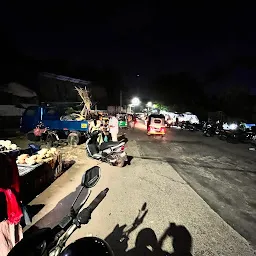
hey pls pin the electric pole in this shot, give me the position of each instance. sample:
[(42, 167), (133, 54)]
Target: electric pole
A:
[(121, 100)]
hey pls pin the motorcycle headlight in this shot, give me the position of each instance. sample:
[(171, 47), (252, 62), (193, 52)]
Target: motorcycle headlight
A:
[(233, 127)]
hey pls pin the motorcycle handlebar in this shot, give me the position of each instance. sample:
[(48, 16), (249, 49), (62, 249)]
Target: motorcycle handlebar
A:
[(85, 215)]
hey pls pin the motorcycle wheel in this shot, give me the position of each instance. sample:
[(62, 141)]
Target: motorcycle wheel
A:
[(73, 139), (50, 138), (206, 134), (120, 162)]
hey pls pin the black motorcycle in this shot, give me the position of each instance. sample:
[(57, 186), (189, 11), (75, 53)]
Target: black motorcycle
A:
[(209, 130), (239, 135), (112, 152), (187, 126), (51, 242)]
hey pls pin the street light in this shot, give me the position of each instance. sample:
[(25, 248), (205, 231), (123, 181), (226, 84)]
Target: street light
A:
[(135, 101), (149, 104)]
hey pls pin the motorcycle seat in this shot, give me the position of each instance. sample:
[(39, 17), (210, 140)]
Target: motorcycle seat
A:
[(105, 145)]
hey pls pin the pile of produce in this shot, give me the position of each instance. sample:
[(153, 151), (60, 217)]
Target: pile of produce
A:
[(41, 155), (7, 145)]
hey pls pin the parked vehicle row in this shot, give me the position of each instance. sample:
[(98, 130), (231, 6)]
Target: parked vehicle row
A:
[(234, 134)]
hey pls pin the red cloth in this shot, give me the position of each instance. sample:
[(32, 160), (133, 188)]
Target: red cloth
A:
[(14, 212)]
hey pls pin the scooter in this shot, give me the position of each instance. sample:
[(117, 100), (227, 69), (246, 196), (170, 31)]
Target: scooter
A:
[(47, 241), (112, 152)]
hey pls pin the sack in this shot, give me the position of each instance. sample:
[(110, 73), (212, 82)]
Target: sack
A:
[(26, 217)]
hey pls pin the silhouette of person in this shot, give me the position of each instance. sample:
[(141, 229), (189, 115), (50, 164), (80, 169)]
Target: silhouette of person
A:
[(146, 244), (181, 242)]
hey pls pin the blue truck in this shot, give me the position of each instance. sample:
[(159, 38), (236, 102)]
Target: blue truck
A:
[(50, 117)]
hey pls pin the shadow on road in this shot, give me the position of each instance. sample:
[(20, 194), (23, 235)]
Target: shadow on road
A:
[(129, 161), (146, 242), (31, 211), (171, 160), (62, 208)]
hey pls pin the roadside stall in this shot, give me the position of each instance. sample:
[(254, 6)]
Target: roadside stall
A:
[(37, 169)]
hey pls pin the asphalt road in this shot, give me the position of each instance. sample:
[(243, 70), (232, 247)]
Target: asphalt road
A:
[(223, 174), (183, 178)]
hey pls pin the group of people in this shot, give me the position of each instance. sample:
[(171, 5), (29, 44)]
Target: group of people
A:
[(107, 127), (110, 125)]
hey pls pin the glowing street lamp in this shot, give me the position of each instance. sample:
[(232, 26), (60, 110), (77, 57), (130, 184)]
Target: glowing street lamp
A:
[(149, 104), (135, 101)]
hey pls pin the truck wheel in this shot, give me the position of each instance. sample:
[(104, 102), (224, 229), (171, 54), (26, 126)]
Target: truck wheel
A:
[(73, 139)]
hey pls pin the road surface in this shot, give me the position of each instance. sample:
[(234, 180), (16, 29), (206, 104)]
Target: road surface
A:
[(199, 183), (223, 174)]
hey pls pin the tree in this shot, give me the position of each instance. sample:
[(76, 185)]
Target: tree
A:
[(179, 89), (235, 100)]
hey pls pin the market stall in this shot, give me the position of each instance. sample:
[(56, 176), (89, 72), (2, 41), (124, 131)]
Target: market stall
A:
[(38, 171), (37, 168)]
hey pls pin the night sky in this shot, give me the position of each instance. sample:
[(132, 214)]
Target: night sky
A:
[(143, 39)]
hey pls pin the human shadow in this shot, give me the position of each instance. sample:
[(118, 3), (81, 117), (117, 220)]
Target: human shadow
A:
[(119, 237), (146, 241), (146, 244), (181, 240)]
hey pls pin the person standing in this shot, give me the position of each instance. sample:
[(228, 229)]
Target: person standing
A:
[(10, 207), (113, 127)]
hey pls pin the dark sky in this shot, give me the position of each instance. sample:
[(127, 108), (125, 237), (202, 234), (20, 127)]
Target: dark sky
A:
[(135, 38)]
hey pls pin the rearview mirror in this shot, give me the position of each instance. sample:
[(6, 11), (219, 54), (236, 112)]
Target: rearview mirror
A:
[(91, 177)]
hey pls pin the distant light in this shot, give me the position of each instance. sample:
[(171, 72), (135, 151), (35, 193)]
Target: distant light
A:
[(138, 75), (149, 104), (135, 101), (233, 126)]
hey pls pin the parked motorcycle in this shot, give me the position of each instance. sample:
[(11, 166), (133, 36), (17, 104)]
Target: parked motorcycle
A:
[(209, 130), (187, 126), (240, 136), (51, 242), (112, 152), (44, 134), (236, 136)]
